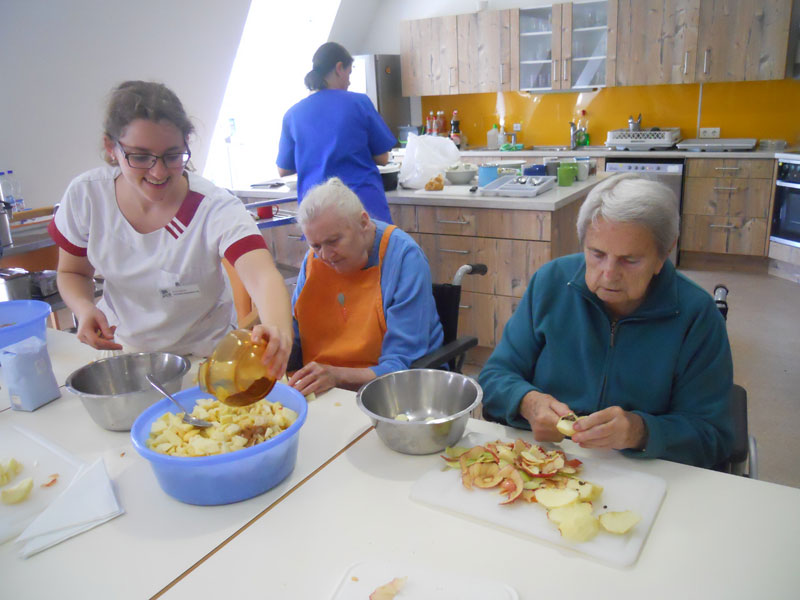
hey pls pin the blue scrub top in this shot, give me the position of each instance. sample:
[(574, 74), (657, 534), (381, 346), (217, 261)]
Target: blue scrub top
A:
[(336, 133)]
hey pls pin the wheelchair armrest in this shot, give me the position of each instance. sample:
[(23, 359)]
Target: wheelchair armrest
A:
[(445, 354), (740, 448)]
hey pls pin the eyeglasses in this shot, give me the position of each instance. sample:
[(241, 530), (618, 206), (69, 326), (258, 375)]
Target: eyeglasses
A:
[(172, 160)]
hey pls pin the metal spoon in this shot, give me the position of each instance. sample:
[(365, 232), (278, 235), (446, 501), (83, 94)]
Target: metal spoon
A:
[(187, 418)]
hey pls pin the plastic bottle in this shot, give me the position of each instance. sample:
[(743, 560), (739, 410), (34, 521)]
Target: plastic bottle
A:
[(6, 191), (455, 129), (16, 190), (430, 123), (493, 138), (583, 130), (441, 125)]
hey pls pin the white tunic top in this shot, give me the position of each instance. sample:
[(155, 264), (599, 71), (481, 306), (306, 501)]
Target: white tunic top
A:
[(165, 290)]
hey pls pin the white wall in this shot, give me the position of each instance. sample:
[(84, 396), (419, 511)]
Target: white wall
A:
[(383, 35), (59, 59)]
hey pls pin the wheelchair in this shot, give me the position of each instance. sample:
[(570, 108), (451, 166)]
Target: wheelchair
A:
[(454, 349)]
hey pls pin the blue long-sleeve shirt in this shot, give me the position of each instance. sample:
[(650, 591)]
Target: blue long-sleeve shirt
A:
[(412, 323), (669, 361)]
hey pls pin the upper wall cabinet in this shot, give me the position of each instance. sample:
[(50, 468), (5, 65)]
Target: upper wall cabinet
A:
[(488, 51), (688, 41), (566, 46), (656, 41), (429, 60), (742, 40)]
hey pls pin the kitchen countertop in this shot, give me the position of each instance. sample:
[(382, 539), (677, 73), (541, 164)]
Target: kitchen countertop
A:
[(460, 196), (27, 239), (348, 500), (605, 153)]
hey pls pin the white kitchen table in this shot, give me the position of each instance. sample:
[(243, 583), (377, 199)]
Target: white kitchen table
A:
[(715, 536), (138, 553)]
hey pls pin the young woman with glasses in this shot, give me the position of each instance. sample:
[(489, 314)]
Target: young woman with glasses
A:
[(157, 234)]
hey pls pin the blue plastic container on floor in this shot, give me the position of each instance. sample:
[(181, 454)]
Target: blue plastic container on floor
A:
[(21, 319), (223, 478)]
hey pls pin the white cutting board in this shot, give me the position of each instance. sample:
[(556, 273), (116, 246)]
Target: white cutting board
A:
[(623, 490), (423, 583), (39, 459)]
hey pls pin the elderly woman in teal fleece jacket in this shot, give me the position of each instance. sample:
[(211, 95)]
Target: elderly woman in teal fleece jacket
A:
[(616, 333)]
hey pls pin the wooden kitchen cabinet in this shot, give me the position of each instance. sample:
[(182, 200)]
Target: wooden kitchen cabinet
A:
[(688, 41), (513, 244), (742, 40), (567, 45), (429, 56), (726, 206), (488, 51)]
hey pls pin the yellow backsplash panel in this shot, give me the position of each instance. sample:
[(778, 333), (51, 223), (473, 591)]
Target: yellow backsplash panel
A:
[(757, 109)]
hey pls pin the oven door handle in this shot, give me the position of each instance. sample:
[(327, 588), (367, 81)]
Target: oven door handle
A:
[(788, 185)]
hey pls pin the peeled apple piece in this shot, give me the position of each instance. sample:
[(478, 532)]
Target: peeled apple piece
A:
[(553, 498), (579, 528), (9, 469), (566, 424), (619, 522), (17, 493), (570, 511)]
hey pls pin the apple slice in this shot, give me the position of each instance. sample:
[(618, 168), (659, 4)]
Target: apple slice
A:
[(389, 590), (511, 485), (9, 469), (553, 498), (17, 493), (566, 424), (580, 527), (619, 522), (570, 511), (586, 490)]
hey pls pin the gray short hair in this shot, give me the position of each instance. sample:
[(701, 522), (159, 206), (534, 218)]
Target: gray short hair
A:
[(333, 194), (628, 198)]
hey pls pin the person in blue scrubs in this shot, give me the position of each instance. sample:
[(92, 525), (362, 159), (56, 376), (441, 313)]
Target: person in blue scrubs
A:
[(336, 133)]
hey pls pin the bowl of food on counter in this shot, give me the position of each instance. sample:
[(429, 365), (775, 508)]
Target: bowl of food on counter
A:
[(461, 173), (247, 451), (420, 411), (114, 390)]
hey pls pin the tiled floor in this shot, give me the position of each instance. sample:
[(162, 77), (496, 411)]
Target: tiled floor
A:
[(764, 330)]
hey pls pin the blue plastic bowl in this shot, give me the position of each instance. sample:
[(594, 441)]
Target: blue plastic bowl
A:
[(223, 478), (24, 318)]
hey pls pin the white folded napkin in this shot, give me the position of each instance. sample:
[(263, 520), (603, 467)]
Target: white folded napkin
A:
[(89, 501)]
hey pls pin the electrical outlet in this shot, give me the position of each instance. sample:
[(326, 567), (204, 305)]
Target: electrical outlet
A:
[(709, 132), (517, 126)]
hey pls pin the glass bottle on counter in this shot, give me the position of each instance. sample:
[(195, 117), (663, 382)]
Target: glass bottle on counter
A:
[(441, 125), (455, 130)]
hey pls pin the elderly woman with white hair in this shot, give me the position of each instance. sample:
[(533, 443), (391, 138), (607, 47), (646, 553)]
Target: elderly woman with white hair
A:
[(617, 335), (363, 305)]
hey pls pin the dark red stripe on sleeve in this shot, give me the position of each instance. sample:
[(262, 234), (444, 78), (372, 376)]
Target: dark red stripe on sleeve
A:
[(243, 246), (188, 207), (63, 242)]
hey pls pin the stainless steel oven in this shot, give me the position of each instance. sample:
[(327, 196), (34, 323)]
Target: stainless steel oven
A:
[(786, 213)]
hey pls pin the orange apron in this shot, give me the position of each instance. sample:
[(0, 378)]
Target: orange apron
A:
[(340, 316)]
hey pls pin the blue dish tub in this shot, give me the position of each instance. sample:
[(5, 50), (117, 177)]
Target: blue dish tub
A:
[(223, 478), (23, 319)]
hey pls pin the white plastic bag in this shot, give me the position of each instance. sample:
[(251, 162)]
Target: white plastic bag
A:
[(426, 156), (28, 374)]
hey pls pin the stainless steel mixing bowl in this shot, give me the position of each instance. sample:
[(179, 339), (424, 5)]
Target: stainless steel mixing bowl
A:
[(114, 390), (420, 411)]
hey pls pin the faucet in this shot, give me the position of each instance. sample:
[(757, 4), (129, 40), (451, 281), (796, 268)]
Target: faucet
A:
[(576, 133)]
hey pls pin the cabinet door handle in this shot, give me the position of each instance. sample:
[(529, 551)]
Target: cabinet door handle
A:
[(555, 70), (452, 222), (727, 168), (294, 237), (501, 74), (465, 306), (714, 226), (725, 188), (685, 62), (450, 77), (705, 61), (454, 251), (564, 70)]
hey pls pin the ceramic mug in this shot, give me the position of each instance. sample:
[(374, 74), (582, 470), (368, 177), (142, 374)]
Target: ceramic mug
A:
[(486, 174), (583, 170), (566, 175)]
